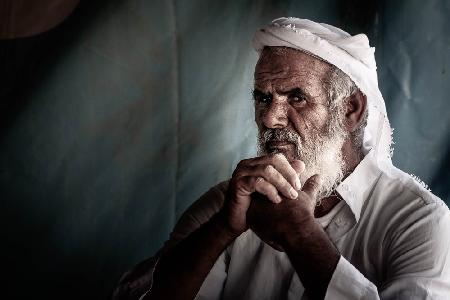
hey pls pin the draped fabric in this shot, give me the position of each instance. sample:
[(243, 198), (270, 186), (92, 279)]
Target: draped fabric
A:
[(117, 119), (351, 54)]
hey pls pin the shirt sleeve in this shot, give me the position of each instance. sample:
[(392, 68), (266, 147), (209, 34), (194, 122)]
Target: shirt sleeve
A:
[(348, 283), (419, 256), (417, 262)]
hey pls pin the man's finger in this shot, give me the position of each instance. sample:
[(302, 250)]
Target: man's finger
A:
[(267, 189), (281, 164), (311, 186), (270, 175), (298, 166)]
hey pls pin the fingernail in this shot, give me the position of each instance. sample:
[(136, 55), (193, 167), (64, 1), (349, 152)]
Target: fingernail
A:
[(297, 184), (293, 193), (278, 199)]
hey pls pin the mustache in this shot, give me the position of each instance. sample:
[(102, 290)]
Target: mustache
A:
[(280, 135)]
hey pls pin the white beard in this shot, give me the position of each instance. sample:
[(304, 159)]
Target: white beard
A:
[(321, 153)]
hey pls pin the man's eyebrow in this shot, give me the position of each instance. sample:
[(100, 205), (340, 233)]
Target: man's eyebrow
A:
[(296, 91), (257, 92)]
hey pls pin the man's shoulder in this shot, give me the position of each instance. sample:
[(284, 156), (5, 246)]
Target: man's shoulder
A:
[(404, 200), (412, 215), (397, 184), (401, 213)]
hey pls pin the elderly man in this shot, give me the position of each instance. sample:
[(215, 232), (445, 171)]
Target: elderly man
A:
[(321, 212)]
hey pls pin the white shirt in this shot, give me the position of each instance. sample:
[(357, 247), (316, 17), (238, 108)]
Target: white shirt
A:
[(325, 220), (393, 236)]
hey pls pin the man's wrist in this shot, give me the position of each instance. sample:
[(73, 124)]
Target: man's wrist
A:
[(313, 256), (302, 230), (223, 228)]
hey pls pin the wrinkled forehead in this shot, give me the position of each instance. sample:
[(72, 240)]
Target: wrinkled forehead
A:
[(276, 63)]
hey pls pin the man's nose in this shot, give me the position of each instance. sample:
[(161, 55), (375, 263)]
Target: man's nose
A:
[(276, 115)]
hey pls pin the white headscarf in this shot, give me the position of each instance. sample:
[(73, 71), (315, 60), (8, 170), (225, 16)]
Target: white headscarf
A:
[(352, 55)]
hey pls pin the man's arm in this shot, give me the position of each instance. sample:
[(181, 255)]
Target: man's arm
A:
[(183, 267), (181, 271), (313, 256), (137, 281)]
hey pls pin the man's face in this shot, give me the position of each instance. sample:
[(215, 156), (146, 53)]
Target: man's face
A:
[(293, 114)]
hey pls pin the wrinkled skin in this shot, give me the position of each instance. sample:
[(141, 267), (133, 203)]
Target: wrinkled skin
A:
[(289, 93), (274, 222), (298, 101)]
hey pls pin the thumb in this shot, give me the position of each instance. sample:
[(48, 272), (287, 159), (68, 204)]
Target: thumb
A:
[(311, 186)]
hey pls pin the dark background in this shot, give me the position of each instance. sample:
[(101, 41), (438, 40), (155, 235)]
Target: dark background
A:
[(117, 119)]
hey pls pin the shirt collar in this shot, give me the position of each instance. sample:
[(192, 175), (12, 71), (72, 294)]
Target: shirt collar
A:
[(356, 187)]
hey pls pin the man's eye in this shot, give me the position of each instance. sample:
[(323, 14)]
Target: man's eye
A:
[(264, 99), (297, 98)]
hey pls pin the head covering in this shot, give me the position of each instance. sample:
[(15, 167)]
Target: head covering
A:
[(352, 55)]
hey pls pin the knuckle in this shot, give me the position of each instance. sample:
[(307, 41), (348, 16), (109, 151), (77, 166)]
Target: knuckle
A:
[(243, 162), (259, 181), (280, 156), (313, 182), (260, 188), (269, 170), (274, 157)]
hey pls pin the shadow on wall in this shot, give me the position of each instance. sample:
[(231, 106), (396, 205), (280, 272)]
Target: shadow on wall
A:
[(53, 247)]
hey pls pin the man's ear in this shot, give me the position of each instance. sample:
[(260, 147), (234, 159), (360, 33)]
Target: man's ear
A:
[(356, 106)]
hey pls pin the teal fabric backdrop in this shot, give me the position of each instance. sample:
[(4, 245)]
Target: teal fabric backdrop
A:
[(115, 121)]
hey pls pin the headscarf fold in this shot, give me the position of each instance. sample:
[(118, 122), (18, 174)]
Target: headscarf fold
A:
[(352, 55)]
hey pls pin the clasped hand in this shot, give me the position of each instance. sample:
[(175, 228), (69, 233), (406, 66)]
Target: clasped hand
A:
[(265, 195)]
